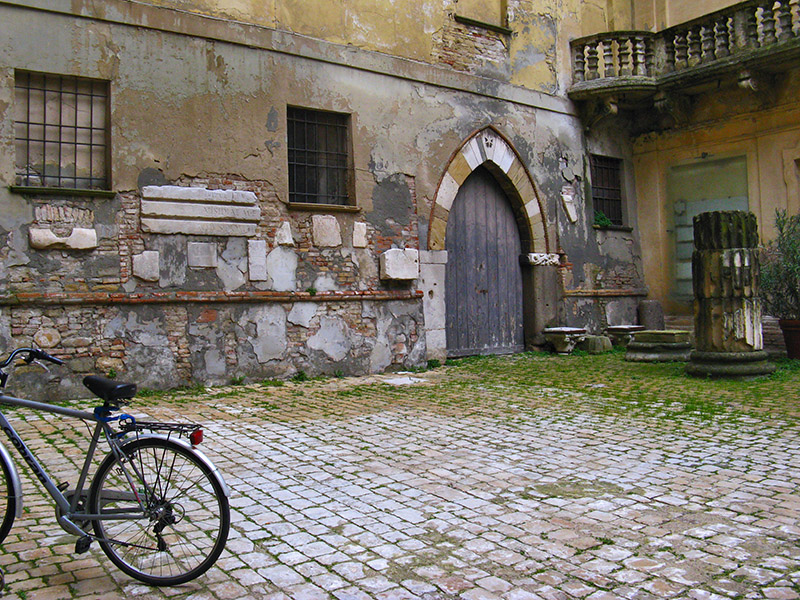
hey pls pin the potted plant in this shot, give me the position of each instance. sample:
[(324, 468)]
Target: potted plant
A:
[(780, 280)]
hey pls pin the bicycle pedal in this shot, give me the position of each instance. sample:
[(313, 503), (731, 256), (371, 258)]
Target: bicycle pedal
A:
[(82, 545), (62, 486)]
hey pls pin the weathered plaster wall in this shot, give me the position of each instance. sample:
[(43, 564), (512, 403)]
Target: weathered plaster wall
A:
[(534, 54), (605, 282), (765, 129), (208, 111)]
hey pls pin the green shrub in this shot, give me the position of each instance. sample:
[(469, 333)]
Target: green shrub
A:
[(780, 269)]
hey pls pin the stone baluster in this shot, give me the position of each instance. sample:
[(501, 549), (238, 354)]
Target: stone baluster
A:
[(624, 54), (592, 60), (785, 20), (579, 63), (768, 23), (722, 38), (639, 56), (708, 44), (681, 50), (794, 9), (666, 45), (694, 39), (748, 19), (609, 69), (650, 58)]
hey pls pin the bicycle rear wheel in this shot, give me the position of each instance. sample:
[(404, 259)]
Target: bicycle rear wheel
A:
[(186, 520), (8, 501)]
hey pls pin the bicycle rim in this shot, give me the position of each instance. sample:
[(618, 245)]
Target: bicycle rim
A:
[(187, 520), (8, 502)]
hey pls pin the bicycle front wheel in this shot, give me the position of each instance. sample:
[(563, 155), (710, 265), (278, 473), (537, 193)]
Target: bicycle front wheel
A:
[(8, 500), (186, 517)]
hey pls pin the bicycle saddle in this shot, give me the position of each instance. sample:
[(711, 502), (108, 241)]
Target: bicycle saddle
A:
[(108, 389)]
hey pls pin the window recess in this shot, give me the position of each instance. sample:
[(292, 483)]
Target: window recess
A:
[(319, 157)]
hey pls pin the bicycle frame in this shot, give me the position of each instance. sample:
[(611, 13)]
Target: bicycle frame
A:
[(69, 508)]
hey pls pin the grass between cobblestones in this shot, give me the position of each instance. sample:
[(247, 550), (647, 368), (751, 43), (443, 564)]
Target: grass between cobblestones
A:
[(527, 382), (648, 389)]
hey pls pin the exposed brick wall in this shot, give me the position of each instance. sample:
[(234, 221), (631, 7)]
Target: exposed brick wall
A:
[(469, 48)]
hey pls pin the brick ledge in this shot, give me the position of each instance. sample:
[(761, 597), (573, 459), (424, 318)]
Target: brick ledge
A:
[(105, 298)]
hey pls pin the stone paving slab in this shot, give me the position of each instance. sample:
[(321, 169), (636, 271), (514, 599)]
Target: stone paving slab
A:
[(362, 489)]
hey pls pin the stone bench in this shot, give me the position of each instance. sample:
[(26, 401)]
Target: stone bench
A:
[(564, 339)]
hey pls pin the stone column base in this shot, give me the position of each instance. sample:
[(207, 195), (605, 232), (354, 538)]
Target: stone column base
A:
[(738, 365), (658, 351), (621, 335)]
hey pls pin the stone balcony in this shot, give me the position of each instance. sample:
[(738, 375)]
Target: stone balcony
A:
[(747, 44)]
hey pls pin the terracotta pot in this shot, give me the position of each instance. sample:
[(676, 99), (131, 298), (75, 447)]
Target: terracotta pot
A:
[(791, 335)]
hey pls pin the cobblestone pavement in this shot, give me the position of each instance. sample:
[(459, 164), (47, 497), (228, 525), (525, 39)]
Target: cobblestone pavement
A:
[(429, 487)]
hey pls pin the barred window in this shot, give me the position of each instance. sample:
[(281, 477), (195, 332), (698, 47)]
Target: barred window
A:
[(607, 187), (61, 131), (318, 156)]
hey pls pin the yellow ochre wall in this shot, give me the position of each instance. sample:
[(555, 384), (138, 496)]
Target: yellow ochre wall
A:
[(536, 55), (656, 15), (765, 130), (399, 27), (767, 136), (650, 15)]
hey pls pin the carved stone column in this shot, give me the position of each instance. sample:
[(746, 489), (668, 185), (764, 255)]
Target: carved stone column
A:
[(727, 308)]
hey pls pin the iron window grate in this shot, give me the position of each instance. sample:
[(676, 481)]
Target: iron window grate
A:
[(318, 156), (61, 131), (607, 187)]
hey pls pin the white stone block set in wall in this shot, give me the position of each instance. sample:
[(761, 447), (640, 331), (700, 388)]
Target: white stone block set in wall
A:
[(204, 212)]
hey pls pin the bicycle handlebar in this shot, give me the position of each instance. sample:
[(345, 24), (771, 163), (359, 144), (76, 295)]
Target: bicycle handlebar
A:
[(33, 354)]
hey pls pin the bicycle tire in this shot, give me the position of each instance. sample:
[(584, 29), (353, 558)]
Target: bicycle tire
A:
[(8, 501), (188, 517)]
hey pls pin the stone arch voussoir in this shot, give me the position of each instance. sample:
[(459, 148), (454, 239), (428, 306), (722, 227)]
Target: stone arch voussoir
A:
[(489, 148)]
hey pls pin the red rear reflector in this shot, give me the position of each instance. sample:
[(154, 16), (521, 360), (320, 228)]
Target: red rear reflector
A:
[(196, 437)]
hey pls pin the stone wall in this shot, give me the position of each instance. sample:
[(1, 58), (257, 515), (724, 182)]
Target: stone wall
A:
[(212, 279), (170, 344)]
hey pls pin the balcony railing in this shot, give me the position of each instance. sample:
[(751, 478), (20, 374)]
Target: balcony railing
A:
[(610, 55), (756, 30)]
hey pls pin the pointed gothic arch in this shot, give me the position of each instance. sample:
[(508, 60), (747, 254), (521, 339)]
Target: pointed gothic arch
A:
[(488, 150)]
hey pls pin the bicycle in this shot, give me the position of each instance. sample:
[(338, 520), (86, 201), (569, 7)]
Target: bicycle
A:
[(156, 505)]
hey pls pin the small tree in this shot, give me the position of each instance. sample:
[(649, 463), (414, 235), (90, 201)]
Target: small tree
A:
[(780, 269)]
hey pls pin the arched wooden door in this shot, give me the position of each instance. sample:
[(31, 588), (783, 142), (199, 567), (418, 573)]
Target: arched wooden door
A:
[(483, 286)]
